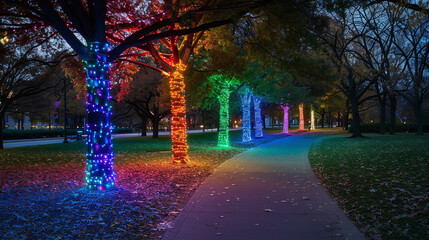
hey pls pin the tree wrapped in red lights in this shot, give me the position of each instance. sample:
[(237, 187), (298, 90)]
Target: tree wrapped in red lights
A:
[(122, 31)]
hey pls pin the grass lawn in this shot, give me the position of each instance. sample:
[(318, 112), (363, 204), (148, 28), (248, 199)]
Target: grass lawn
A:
[(381, 182), (43, 194)]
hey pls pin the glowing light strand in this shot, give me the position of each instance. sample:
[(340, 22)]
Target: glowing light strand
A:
[(285, 118), (259, 133), (301, 117), (223, 97), (99, 159), (178, 118), (246, 100), (312, 122)]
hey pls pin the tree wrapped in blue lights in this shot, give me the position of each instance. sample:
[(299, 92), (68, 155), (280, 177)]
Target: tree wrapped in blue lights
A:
[(99, 159), (259, 133), (246, 100)]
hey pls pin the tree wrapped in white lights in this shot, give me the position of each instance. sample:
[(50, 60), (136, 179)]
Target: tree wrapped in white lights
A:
[(312, 121)]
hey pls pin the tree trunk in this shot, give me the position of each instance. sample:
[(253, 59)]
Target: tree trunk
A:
[(258, 118), (339, 122), (49, 119), (355, 119), (285, 119), (382, 104), (246, 99), (99, 174), (155, 125), (301, 117), (143, 126), (323, 118), (346, 115), (392, 98), (419, 119), (312, 119), (178, 118), (204, 120), (263, 122), (223, 131), (329, 120)]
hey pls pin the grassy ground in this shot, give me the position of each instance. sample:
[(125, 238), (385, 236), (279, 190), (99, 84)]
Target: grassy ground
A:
[(382, 182), (43, 195)]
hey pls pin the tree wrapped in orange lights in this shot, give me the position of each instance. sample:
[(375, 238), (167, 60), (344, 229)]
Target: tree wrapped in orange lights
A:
[(178, 118), (301, 117)]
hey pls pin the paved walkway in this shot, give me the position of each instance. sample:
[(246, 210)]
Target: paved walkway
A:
[(45, 141), (266, 193)]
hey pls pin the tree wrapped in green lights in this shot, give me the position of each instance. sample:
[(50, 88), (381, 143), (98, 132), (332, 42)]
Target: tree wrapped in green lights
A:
[(222, 86)]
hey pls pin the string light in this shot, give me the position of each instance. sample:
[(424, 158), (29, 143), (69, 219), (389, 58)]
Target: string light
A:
[(258, 118), (246, 99), (99, 159), (223, 97), (178, 111), (301, 117), (312, 124), (285, 118)]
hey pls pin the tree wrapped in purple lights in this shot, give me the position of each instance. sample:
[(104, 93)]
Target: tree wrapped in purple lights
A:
[(285, 117), (99, 159)]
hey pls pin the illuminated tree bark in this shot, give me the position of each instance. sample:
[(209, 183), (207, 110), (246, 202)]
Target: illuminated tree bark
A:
[(312, 121), (223, 136), (178, 119), (246, 99), (258, 118), (99, 159), (301, 117), (285, 118)]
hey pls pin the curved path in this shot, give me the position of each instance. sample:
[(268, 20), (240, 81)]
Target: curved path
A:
[(268, 192)]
